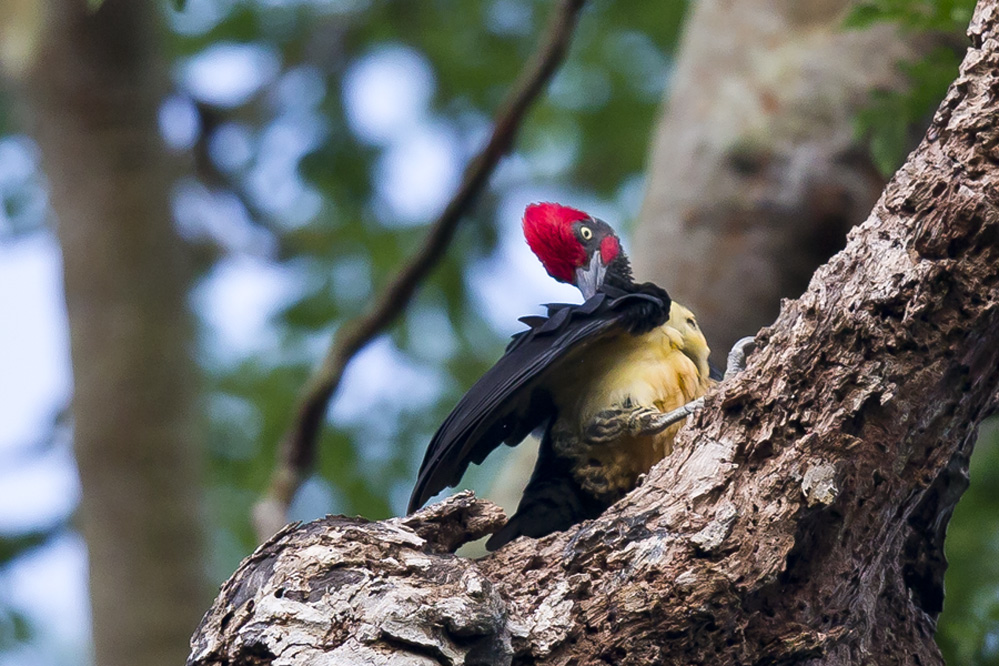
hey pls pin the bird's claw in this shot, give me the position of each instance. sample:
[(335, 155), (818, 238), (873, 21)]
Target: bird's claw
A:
[(737, 356), (643, 421), (606, 426), (637, 421), (654, 421)]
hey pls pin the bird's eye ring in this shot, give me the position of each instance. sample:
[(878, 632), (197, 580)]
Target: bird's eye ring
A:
[(586, 233)]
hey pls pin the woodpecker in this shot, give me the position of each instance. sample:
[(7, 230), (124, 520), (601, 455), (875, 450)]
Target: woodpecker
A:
[(595, 379)]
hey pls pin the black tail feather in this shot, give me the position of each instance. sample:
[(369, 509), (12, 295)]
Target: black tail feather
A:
[(552, 501)]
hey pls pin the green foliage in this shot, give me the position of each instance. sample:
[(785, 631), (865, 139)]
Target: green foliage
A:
[(23, 195), (15, 628), (968, 632), (14, 546), (894, 121), (945, 16)]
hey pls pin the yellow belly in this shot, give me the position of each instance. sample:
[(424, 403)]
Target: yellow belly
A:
[(664, 369)]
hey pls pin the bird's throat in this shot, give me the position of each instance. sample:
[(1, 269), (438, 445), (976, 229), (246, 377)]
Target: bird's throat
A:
[(619, 273)]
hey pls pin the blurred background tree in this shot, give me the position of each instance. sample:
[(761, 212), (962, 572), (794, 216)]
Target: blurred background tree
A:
[(301, 147)]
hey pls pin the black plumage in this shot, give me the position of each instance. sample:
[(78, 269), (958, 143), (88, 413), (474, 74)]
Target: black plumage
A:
[(514, 397)]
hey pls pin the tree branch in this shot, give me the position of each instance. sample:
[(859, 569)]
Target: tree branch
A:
[(799, 522), (298, 447)]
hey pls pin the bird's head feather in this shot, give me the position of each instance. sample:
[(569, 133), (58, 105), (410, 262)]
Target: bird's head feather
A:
[(573, 246)]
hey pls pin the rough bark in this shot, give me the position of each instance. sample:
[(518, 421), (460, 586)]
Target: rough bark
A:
[(799, 520), (756, 172), (94, 86)]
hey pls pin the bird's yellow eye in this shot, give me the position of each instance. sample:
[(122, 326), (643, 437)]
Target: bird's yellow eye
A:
[(586, 233)]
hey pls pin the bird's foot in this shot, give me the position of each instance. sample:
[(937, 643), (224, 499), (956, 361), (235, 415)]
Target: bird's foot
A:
[(652, 421), (737, 356), (607, 425), (636, 421), (592, 479)]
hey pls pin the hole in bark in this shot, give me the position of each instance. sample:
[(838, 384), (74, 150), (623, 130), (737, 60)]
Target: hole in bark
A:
[(762, 450), (814, 541), (402, 645), (535, 562), (988, 237), (254, 654), (279, 592), (615, 655), (923, 561)]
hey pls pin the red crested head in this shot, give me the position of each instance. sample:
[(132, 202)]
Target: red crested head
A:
[(548, 228)]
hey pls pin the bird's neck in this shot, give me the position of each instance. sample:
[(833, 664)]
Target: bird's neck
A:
[(619, 273), (618, 279)]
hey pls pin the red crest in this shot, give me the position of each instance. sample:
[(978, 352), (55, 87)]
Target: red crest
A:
[(548, 230)]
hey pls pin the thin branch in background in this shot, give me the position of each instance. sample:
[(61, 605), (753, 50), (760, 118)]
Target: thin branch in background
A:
[(298, 446)]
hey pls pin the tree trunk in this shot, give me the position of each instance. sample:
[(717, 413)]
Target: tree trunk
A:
[(800, 519), (95, 86), (756, 171)]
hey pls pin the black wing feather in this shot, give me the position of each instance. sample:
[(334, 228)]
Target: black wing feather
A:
[(511, 399)]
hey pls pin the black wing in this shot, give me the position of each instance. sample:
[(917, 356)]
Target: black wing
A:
[(513, 397)]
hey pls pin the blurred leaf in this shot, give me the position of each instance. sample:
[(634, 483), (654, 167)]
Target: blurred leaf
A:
[(314, 310), (15, 628), (865, 14), (947, 16), (12, 547), (894, 120), (968, 629)]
